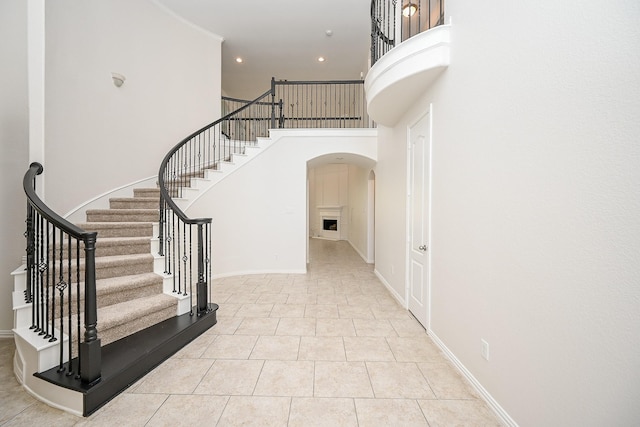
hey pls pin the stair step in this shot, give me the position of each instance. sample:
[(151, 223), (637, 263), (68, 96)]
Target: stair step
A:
[(123, 215), (134, 203), (119, 229), (126, 360), (122, 265), (146, 192), (106, 246), (114, 290), (119, 320)]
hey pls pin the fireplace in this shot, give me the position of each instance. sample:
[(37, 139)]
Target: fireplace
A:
[(329, 224)]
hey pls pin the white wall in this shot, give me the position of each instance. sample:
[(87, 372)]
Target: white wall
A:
[(98, 136), (357, 214), (260, 211), (14, 147), (535, 210)]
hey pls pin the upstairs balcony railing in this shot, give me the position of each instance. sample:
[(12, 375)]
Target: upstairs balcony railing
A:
[(394, 21)]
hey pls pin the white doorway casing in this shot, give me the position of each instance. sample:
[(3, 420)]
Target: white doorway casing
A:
[(419, 212)]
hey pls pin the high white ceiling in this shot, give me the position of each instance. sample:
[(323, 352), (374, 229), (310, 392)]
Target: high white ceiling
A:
[(283, 39)]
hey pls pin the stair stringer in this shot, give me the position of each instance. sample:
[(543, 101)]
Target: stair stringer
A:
[(35, 354), (200, 186)]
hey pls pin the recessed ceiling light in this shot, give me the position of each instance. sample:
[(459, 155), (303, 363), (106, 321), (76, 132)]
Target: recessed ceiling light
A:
[(329, 33), (321, 59), (239, 60)]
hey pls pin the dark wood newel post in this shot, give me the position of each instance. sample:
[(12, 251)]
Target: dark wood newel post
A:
[(273, 102), (203, 304), (90, 350)]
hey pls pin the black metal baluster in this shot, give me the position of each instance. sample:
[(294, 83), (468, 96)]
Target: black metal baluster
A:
[(78, 306), (61, 286), (69, 370), (43, 270)]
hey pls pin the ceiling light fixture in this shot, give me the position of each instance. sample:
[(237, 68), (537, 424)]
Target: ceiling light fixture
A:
[(409, 9), (118, 79), (321, 59), (239, 60)]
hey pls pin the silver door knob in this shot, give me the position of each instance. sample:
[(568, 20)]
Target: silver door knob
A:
[(422, 248)]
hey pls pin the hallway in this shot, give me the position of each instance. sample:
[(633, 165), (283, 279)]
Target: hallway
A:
[(328, 348)]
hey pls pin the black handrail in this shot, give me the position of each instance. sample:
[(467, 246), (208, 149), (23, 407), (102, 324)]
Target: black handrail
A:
[(203, 149), (43, 226)]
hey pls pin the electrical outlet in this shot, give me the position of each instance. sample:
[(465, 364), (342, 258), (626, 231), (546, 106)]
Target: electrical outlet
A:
[(485, 349)]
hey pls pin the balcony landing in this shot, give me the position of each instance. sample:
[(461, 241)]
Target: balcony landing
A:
[(403, 74)]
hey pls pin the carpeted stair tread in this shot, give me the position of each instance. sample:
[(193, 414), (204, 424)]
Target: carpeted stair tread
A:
[(134, 203), (146, 192), (115, 290), (107, 246), (119, 320), (123, 215), (119, 229)]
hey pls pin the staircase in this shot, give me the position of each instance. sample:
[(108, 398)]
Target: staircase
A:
[(129, 281), (141, 320)]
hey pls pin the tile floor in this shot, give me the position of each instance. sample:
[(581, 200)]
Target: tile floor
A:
[(329, 348)]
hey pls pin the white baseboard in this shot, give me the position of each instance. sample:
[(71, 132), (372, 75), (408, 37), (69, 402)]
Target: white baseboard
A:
[(393, 292), (363, 256), (502, 415), (6, 334)]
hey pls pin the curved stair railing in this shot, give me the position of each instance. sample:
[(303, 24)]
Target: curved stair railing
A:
[(56, 269), (186, 242)]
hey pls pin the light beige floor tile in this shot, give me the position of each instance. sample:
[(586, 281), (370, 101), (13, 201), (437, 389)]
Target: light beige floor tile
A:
[(254, 310), (321, 311), (332, 299), (335, 327), (389, 312), (398, 380), (302, 298), (256, 411), (288, 310), (231, 377), (446, 382), (322, 412), (240, 298), (175, 376), (322, 348), (342, 379), (444, 413), (347, 311), (414, 349), (268, 298), (373, 328), (408, 328), (276, 348), (191, 410), (390, 412), (127, 410), (231, 347), (38, 414), (367, 349), (257, 326), (227, 309), (224, 326), (195, 348), (268, 288), (362, 300), (13, 398), (296, 326), (283, 378)]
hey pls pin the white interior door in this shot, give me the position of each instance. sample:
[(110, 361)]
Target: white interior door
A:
[(419, 151)]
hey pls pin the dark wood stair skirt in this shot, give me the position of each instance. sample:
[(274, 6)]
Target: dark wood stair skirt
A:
[(130, 358)]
